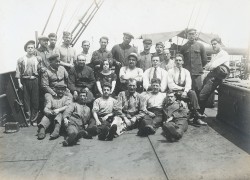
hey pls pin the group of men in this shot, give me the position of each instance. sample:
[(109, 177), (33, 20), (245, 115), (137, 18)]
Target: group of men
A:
[(151, 92)]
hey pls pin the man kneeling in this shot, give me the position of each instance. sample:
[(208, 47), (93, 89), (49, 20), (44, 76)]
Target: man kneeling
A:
[(176, 118), (75, 117), (55, 106)]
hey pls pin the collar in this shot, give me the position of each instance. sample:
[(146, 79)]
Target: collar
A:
[(42, 49), (102, 51), (53, 70)]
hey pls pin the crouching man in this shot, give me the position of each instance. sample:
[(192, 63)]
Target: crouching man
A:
[(55, 106), (75, 117), (175, 115), (105, 124)]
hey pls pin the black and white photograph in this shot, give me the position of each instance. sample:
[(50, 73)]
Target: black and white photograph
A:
[(125, 89)]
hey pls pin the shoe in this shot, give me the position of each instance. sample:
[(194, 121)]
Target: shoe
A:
[(149, 130), (55, 133), (104, 132), (199, 122), (41, 133), (112, 132), (198, 115), (93, 131), (83, 134), (34, 124), (34, 116), (65, 143)]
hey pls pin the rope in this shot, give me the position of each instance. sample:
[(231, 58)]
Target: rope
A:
[(197, 14), (64, 10)]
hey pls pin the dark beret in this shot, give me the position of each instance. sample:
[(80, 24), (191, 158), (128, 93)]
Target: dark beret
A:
[(53, 57), (43, 38), (147, 40), (128, 34), (159, 43), (29, 42)]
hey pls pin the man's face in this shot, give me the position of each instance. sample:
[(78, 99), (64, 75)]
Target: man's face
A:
[(82, 98), (85, 46), (30, 49), (67, 40), (105, 65), (191, 36), (159, 49), (155, 87), (132, 61), (106, 91), (55, 63), (60, 92), (171, 98), (132, 86), (167, 52), (178, 61), (43, 42), (147, 46), (126, 39), (52, 41), (103, 43), (155, 61), (216, 46), (81, 60)]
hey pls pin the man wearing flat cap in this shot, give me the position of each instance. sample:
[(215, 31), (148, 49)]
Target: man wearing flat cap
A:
[(145, 56), (67, 52), (27, 76), (195, 58), (43, 53), (131, 71)]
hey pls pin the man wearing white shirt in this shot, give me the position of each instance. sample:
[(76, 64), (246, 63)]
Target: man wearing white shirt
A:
[(155, 72), (219, 70), (85, 51), (179, 81)]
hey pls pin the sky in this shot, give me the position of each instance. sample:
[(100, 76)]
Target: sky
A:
[(230, 19)]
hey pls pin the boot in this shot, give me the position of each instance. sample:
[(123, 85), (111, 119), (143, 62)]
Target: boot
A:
[(41, 133), (198, 115), (112, 132), (56, 131)]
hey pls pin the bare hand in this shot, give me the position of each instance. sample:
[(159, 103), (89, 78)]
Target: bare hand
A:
[(133, 120), (66, 122), (98, 123), (56, 111), (151, 114), (128, 122), (105, 117), (170, 119), (20, 86), (184, 94)]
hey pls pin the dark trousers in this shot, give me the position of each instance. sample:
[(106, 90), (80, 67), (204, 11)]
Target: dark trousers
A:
[(155, 121), (175, 129), (94, 130), (196, 83), (30, 95), (191, 100)]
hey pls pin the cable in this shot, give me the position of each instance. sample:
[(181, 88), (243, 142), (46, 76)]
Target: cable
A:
[(205, 19), (197, 14), (64, 10)]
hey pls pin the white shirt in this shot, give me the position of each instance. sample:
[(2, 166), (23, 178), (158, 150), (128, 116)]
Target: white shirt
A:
[(136, 73), (173, 78), (160, 74), (155, 100), (218, 59), (88, 57)]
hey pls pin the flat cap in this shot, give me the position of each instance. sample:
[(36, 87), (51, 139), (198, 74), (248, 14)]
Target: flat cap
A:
[(147, 41), (128, 34), (66, 33), (27, 43), (159, 43), (43, 38), (53, 57), (134, 55), (191, 29), (60, 85)]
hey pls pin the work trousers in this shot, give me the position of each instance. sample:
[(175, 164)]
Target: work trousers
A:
[(196, 83), (31, 95), (191, 99), (175, 129), (46, 121), (155, 121)]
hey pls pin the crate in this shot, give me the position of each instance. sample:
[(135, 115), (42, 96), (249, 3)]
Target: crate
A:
[(12, 127)]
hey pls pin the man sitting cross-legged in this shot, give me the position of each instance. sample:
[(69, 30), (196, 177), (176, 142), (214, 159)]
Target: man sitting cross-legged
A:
[(75, 117), (103, 112), (175, 115), (154, 103), (55, 106)]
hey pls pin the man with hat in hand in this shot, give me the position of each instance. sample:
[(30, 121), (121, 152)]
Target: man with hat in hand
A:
[(144, 61), (54, 108), (67, 52), (27, 76), (131, 71), (195, 58)]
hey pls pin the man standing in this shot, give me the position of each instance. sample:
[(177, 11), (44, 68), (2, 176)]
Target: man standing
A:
[(195, 58), (81, 77), (159, 48), (52, 44), (145, 56), (175, 115), (54, 108), (42, 52), (75, 117), (219, 70), (85, 51), (67, 52), (130, 105), (155, 72), (154, 104), (27, 77), (99, 55), (179, 81), (167, 63)]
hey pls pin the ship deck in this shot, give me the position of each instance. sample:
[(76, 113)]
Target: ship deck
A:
[(216, 151)]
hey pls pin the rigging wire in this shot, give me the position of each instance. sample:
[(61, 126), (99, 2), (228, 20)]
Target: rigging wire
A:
[(64, 10), (197, 14)]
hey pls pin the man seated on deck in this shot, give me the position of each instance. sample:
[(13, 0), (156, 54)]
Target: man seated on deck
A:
[(54, 107), (179, 81), (175, 116), (219, 70), (75, 117), (82, 76), (155, 72), (154, 103), (53, 75), (131, 71), (105, 124), (130, 106)]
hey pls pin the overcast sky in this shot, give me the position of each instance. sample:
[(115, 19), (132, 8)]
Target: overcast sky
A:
[(21, 18)]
